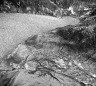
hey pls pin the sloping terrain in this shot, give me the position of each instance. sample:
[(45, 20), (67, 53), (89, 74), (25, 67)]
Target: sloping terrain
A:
[(15, 28), (40, 50), (62, 56)]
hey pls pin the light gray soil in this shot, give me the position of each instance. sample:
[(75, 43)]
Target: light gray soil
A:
[(15, 28)]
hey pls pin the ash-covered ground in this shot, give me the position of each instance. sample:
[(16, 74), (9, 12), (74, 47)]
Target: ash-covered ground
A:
[(64, 56)]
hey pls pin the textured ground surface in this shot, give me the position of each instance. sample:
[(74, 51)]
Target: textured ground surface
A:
[(54, 52), (64, 56), (15, 28), (39, 50)]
